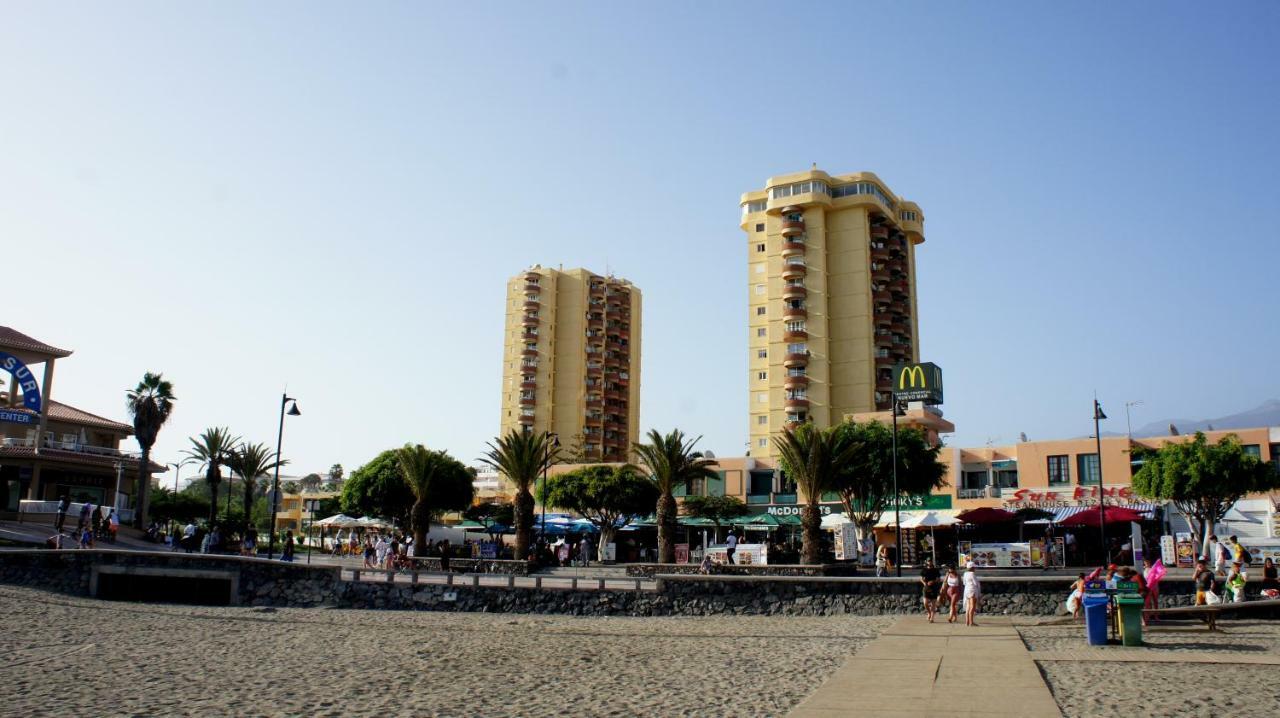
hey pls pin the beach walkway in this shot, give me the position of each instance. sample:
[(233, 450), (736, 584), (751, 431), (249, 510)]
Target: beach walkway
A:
[(916, 668)]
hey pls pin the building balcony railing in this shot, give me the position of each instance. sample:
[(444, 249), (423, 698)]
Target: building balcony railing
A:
[(971, 493), (791, 248), (532, 288), (780, 498), (757, 499), (794, 291), (792, 226), (796, 359), (795, 334), (791, 271), (526, 419), (74, 445), (795, 313)]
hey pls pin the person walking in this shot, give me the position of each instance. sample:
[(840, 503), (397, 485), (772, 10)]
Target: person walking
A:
[(1203, 580), (951, 584), (369, 552), (731, 546), (64, 504), (1152, 573), (113, 526), (286, 553), (85, 509), (189, 537), (882, 561), (584, 551), (972, 595), (1220, 555), (380, 551), (249, 547), (929, 584), (444, 555)]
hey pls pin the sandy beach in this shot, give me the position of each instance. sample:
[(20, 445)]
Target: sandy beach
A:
[(1184, 670), (78, 656)]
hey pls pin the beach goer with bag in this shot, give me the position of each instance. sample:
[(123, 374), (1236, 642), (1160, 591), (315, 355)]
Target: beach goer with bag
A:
[(882, 561), (951, 584), (1235, 584), (929, 583), (1154, 572), (1077, 593)]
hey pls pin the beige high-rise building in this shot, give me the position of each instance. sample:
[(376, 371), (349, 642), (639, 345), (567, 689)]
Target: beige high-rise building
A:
[(571, 362), (831, 297)]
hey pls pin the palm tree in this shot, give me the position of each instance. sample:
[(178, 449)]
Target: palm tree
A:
[(671, 462), (521, 456), (214, 448), (253, 462), (812, 458), (439, 482), (150, 404)]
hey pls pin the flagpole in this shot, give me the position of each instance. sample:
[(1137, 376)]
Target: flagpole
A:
[(1102, 508)]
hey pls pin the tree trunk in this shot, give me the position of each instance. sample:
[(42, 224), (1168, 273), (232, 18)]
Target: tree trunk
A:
[(811, 523), (524, 523), (606, 538), (214, 477), (144, 488), (421, 522), (248, 505), (666, 528)]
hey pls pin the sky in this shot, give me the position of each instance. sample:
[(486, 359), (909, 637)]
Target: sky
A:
[(327, 199)]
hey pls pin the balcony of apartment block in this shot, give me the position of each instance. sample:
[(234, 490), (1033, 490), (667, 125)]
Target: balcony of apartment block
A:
[(796, 359), (793, 271), (529, 320), (526, 419), (795, 382), (792, 225), (613, 394), (593, 419), (884, 382), (529, 384), (795, 313), (528, 352), (879, 252), (882, 296), (796, 403), (880, 232), (880, 270), (595, 370), (793, 246), (595, 321), (884, 360), (794, 291), (529, 336), (532, 288), (528, 401), (794, 334)]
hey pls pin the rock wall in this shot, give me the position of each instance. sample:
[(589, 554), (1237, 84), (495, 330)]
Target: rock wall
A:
[(476, 565), (649, 570), (274, 583)]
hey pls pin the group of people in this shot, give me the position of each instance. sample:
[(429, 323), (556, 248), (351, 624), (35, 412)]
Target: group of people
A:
[(91, 526), (1227, 580), (1147, 580), (563, 552), (951, 589), (387, 552)]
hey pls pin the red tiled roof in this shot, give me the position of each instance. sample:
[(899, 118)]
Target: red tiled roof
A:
[(71, 415), (13, 339), (76, 457)]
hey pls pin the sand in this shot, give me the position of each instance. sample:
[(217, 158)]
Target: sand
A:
[(68, 656), (1089, 685)]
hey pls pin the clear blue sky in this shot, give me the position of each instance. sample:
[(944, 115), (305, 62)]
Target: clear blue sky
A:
[(330, 196)]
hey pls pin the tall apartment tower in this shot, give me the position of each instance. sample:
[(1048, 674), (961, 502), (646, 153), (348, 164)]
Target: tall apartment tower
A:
[(831, 295), (571, 362)]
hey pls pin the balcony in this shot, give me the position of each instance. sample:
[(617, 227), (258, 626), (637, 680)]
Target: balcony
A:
[(529, 336), (528, 401), (757, 499), (532, 288), (795, 334), (971, 493), (794, 291), (529, 320), (529, 352), (792, 248), (796, 359), (72, 445), (795, 382), (884, 382), (795, 313), (881, 232), (528, 385), (796, 403), (784, 498), (884, 361), (526, 419), (882, 296), (792, 227), (793, 271), (879, 253)]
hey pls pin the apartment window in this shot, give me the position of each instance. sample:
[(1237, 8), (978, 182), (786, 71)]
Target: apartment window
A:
[(762, 353), (763, 442), (762, 331), (762, 397), (796, 326), (760, 227), (1087, 469), (759, 289), (797, 393), (760, 247), (797, 348), (762, 375), (1275, 455), (1253, 450), (760, 311), (759, 269), (762, 419), (797, 371), (973, 480), (795, 261), (1059, 470)]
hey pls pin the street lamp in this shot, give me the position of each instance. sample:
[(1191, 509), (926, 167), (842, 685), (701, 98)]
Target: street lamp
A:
[(177, 468), (1098, 416), (285, 399), (1129, 427), (552, 442), (897, 503)]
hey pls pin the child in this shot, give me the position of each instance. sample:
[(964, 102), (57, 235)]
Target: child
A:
[(86, 537), (1235, 583), (1073, 600)]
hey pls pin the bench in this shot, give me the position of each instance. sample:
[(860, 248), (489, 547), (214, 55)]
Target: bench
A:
[(1210, 614)]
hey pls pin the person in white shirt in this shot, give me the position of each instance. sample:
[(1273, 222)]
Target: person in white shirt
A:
[(731, 543), (972, 595), (380, 549)]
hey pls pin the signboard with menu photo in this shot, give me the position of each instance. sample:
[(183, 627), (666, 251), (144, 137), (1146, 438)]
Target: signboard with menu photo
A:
[(998, 555), (1186, 549)]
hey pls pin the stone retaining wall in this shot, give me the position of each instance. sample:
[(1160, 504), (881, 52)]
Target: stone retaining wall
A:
[(476, 565), (649, 570), (274, 583)]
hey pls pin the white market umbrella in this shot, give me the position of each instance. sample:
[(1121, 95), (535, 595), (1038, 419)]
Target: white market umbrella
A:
[(339, 520), (932, 520), (835, 521)]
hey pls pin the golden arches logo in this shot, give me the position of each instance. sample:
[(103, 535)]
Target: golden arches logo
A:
[(910, 375)]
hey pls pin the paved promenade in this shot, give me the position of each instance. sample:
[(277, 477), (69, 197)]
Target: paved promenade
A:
[(920, 669)]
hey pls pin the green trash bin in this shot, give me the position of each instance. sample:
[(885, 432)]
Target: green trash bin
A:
[(1130, 606)]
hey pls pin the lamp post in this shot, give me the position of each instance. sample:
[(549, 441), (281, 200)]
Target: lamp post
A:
[(897, 504), (1098, 416), (115, 499), (1128, 426), (275, 485), (552, 442)]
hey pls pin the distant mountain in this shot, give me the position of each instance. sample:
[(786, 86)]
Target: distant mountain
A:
[(1266, 414)]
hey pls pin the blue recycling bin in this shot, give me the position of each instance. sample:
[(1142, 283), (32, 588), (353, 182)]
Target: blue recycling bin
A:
[(1095, 618)]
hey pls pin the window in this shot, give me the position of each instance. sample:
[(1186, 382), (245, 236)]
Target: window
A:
[(1275, 455), (760, 247), (762, 419), (1087, 469), (762, 353), (1253, 450), (1059, 470), (757, 206), (797, 371), (760, 311), (762, 331), (1007, 478), (763, 442), (759, 289), (762, 397), (760, 226), (797, 393), (971, 480), (798, 348), (762, 375), (760, 269), (796, 326)]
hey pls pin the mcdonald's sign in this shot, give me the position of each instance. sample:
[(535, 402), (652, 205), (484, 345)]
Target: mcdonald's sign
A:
[(918, 382)]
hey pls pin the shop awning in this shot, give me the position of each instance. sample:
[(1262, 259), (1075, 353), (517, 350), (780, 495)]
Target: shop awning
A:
[(1146, 509), (910, 517)]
